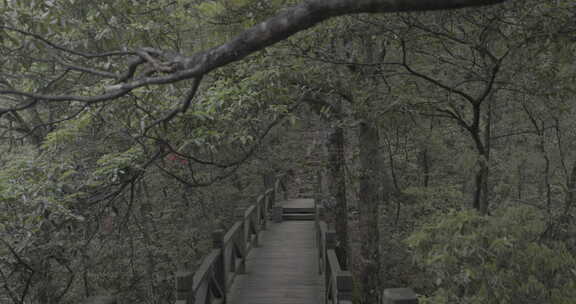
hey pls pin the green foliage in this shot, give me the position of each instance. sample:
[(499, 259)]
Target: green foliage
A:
[(211, 8), (56, 196), (504, 258), (37, 185), (115, 165), (436, 198), (68, 133)]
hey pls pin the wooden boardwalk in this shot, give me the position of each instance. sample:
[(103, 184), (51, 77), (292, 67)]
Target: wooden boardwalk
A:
[(284, 270), (296, 263)]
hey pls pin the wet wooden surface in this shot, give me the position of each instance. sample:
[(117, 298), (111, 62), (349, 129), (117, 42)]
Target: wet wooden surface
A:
[(298, 203), (284, 269)]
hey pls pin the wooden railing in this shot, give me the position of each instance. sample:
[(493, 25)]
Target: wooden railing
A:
[(212, 280), (227, 259), (338, 283)]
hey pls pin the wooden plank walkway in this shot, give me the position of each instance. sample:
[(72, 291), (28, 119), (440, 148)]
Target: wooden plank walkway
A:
[(284, 269)]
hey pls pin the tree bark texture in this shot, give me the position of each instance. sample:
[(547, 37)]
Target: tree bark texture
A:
[(278, 28), (571, 189), (375, 187), (305, 16), (337, 191), (178, 67), (483, 146)]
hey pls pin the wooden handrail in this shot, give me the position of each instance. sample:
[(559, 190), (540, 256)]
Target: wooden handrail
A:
[(228, 258), (213, 278), (337, 282)]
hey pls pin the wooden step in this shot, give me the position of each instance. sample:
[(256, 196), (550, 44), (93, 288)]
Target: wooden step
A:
[(308, 210), (298, 216)]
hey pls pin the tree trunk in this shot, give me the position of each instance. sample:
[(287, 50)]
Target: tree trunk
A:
[(336, 172), (425, 158), (46, 289), (481, 198), (520, 186), (571, 189), (337, 190), (486, 168), (481, 195), (374, 189), (425, 167)]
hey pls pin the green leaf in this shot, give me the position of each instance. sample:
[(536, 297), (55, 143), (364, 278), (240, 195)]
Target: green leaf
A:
[(211, 8)]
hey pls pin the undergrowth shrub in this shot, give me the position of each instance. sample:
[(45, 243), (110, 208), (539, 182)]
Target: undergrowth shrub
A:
[(508, 257)]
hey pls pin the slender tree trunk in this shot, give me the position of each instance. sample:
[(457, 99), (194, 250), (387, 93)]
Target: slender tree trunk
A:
[(336, 178), (481, 194), (425, 158), (483, 188), (520, 187), (146, 228), (426, 167), (477, 190), (46, 289), (388, 146), (547, 176), (570, 191), (485, 167), (337, 190)]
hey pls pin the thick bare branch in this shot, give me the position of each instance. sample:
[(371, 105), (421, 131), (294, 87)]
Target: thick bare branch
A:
[(305, 16), (275, 29)]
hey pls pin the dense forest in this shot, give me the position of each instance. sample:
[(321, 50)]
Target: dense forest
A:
[(439, 135)]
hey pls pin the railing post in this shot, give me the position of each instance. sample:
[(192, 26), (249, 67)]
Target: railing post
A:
[(320, 215), (330, 244), (277, 214), (399, 296), (220, 271), (244, 232), (330, 240), (318, 188), (253, 221), (262, 211), (269, 204), (317, 237), (184, 287), (273, 198), (284, 182), (321, 254), (344, 285), (276, 187)]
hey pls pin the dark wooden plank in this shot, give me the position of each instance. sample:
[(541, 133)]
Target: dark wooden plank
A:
[(298, 203), (299, 210), (298, 217), (284, 269)]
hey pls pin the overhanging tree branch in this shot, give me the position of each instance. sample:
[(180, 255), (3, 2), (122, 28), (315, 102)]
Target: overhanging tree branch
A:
[(275, 29)]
